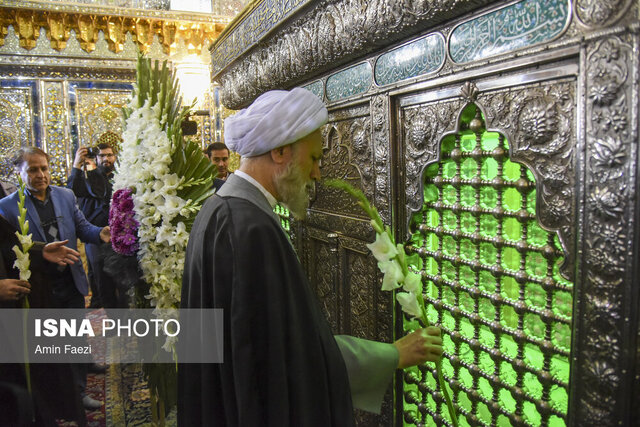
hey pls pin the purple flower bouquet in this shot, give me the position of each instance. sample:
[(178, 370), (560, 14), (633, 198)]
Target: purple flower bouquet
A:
[(124, 227)]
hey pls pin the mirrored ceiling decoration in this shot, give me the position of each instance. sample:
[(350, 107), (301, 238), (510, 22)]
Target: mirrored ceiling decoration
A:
[(219, 8), (60, 25)]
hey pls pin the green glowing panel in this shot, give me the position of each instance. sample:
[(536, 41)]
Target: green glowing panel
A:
[(560, 369), (487, 281), (486, 363), (467, 222), (508, 346), (511, 259), (533, 356), (467, 250), (508, 317), (559, 398), (467, 196), (508, 374), (535, 296), (448, 345), (532, 386), (489, 170), (469, 168), (561, 336), (511, 171), (465, 378), (507, 402), (466, 354), (509, 288), (463, 400), (449, 194), (488, 226), (534, 326), (431, 193), (488, 199), (562, 304), (448, 169), (494, 282), (448, 296), (486, 309), (431, 403), (467, 277), (449, 246), (536, 265), (483, 413), (488, 254), (466, 302), (485, 389), (531, 414), (448, 321), (503, 421), (486, 336), (512, 200), (466, 328), (556, 421)]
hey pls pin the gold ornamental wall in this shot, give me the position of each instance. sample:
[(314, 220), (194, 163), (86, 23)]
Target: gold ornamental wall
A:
[(66, 73)]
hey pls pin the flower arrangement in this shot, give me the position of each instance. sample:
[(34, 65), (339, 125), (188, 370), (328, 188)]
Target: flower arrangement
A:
[(22, 263), (167, 181), (124, 227), (392, 263), (160, 185)]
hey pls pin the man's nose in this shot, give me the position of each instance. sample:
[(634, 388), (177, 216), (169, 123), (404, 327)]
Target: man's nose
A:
[(315, 172)]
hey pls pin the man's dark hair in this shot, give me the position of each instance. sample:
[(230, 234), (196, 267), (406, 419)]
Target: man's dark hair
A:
[(104, 146), (21, 155), (215, 146)]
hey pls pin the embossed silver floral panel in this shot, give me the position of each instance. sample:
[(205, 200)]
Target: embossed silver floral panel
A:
[(262, 19), (349, 82), (317, 88), (422, 56), (519, 25)]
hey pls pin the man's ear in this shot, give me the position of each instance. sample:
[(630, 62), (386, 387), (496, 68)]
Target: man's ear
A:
[(281, 154)]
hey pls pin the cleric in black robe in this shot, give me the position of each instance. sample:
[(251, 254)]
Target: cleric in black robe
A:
[(282, 365)]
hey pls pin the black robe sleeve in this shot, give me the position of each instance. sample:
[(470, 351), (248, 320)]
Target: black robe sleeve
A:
[(282, 366)]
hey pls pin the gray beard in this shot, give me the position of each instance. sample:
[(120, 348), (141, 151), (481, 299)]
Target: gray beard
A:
[(293, 189)]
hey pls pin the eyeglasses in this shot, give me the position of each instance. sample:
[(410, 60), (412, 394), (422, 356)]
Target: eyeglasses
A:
[(106, 155)]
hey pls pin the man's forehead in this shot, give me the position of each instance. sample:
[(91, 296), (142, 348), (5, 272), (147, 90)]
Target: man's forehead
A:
[(35, 159), (219, 153)]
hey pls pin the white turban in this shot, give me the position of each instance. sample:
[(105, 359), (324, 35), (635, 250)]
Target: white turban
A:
[(275, 119)]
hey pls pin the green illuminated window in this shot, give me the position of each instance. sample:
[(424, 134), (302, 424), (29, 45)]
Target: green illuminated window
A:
[(285, 217), (492, 282)]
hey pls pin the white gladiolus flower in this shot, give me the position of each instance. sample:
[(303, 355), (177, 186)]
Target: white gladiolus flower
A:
[(409, 303), (25, 241), (393, 275), (382, 249), (412, 283), (22, 261)]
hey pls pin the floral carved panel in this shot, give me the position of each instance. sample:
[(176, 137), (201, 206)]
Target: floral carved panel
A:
[(602, 384), (422, 128), (381, 162), (347, 155), (539, 122), (598, 13)]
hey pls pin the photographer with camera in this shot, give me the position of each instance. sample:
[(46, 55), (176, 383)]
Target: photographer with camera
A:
[(93, 188)]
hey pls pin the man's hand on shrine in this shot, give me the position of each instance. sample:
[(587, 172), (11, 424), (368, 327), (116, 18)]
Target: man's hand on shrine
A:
[(423, 345)]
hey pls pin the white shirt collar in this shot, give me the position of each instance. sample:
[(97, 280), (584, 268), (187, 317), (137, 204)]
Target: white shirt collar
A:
[(272, 200)]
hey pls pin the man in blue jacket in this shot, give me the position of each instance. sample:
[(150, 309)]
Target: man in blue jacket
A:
[(53, 215)]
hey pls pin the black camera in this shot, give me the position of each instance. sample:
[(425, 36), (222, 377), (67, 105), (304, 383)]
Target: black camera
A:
[(93, 152)]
